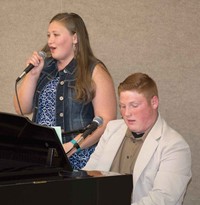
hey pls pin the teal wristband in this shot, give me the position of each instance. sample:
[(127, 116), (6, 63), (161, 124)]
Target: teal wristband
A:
[(76, 145), (79, 149), (73, 141)]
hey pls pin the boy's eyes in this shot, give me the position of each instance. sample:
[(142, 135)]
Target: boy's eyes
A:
[(134, 105), (130, 106), (122, 106)]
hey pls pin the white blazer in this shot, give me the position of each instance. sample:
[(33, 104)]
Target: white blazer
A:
[(163, 166)]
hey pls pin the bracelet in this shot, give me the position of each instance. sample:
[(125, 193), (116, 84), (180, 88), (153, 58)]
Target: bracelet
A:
[(76, 145), (78, 150), (73, 141)]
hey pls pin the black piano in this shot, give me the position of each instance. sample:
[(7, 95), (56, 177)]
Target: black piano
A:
[(34, 170)]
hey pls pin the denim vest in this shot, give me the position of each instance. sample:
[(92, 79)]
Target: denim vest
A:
[(71, 114)]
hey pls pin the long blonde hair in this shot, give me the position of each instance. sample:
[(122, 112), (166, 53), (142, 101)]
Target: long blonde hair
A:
[(85, 87)]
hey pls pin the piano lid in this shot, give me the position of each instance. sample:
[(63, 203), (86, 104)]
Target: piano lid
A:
[(26, 144)]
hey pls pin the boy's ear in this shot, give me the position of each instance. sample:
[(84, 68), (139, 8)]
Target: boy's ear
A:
[(155, 102)]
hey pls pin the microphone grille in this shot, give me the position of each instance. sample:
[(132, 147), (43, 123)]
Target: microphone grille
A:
[(42, 54), (98, 120)]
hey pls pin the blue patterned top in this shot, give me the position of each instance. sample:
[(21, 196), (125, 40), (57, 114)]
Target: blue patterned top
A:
[(47, 104), (46, 116), (79, 160)]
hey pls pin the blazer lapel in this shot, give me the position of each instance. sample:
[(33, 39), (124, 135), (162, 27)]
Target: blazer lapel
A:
[(148, 149), (112, 147)]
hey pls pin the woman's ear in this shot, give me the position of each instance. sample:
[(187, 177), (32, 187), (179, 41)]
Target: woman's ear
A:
[(75, 39)]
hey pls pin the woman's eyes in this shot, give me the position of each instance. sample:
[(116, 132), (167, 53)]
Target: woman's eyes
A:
[(55, 34)]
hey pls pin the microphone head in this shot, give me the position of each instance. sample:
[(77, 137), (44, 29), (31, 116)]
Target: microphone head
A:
[(98, 120), (42, 54)]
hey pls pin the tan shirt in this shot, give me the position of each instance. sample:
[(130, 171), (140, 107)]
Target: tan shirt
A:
[(126, 156)]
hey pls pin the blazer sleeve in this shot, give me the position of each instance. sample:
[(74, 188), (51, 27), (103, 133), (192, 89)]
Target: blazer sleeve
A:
[(102, 158)]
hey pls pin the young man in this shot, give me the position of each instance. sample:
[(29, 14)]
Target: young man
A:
[(144, 145)]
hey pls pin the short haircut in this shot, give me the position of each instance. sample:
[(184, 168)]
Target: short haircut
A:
[(140, 83)]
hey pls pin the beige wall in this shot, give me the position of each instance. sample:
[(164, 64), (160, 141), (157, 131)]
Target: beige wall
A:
[(161, 38)]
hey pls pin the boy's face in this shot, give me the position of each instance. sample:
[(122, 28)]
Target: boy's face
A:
[(137, 112)]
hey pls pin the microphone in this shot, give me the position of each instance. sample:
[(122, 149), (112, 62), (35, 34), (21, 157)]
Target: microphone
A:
[(31, 66), (96, 122)]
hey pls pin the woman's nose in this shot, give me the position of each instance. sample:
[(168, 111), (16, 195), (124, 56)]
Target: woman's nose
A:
[(50, 39)]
